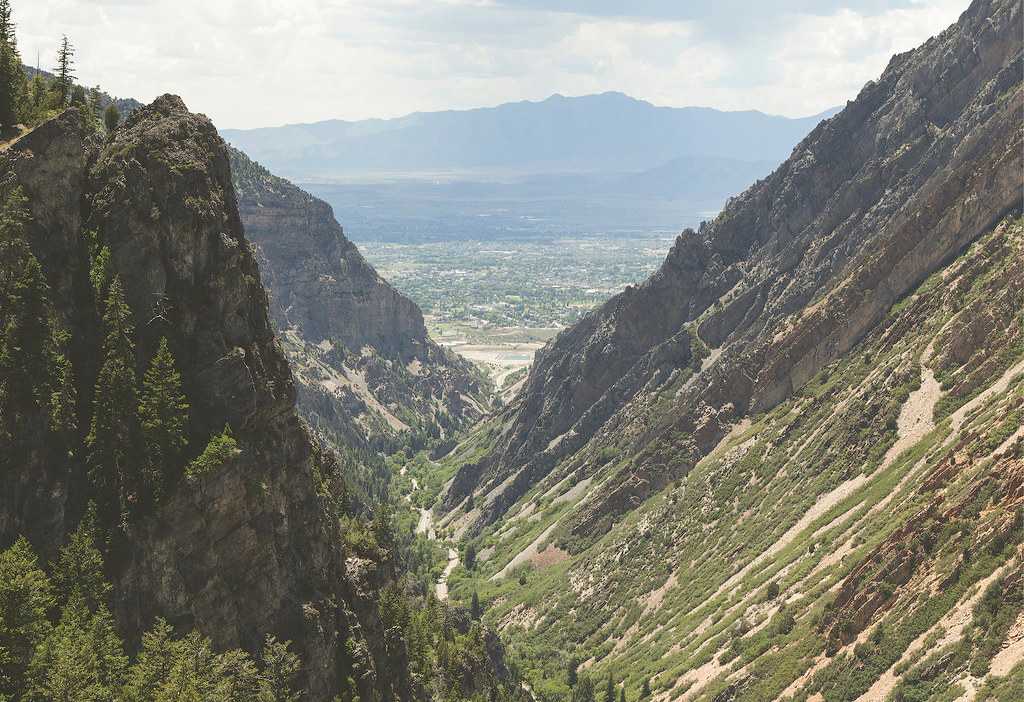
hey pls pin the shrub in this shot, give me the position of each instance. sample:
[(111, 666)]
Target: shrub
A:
[(220, 449)]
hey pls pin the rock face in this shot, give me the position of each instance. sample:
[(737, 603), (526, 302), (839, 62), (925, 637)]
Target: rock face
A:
[(367, 370), (252, 548), (790, 276)]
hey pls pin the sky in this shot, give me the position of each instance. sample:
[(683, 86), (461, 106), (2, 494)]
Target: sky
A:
[(251, 63)]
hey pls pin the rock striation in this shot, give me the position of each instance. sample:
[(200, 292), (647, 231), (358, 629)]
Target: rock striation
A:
[(788, 278)]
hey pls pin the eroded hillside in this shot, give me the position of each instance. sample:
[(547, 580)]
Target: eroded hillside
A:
[(792, 274), (821, 544), (789, 464)]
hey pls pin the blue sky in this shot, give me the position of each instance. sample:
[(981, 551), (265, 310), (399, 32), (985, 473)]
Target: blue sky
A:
[(250, 63)]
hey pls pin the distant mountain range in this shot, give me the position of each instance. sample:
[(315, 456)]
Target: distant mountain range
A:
[(606, 133)]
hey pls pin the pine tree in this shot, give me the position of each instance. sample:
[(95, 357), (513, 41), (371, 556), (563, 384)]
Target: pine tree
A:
[(65, 70), (26, 337), (584, 690), (113, 456), (474, 607), (609, 690), (111, 117), (12, 79), (645, 691), (81, 659), (280, 671), (153, 664), (25, 597), (622, 694), (79, 568), (163, 413)]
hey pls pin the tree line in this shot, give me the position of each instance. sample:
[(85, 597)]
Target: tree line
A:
[(27, 102)]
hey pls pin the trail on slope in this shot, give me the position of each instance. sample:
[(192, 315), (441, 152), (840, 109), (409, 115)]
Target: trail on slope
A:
[(426, 526)]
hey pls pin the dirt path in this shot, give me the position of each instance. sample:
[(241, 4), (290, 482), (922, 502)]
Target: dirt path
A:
[(426, 526), (442, 583)]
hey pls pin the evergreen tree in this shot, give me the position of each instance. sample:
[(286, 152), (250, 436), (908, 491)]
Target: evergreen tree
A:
[(12, 79), (280, 671), (79, 568), (64, 402), (622, 694), (26, 337), (584, 690), (645, 691), (25, 598), (474, 607), (470, 556), (163, 413), (111, 117), (609, 690), (153, 664), (81, 660), (65, 70), (113, 456), (571, 676)]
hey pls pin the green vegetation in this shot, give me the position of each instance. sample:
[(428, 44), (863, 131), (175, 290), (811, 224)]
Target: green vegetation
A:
[(58, 642), (221, 449), (710, 573)]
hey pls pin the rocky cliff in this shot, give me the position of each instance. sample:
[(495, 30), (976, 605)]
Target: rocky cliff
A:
[(788, 465), (790, 276), (251, 545), (368, 372)]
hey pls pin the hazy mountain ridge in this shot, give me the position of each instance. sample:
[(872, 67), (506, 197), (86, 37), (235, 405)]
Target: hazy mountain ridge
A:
[(610, 132)]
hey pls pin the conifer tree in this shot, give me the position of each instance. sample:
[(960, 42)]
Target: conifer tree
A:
[(12, 80), (163, 413), (79, 568), (645, 691), (280, 670), (153, 664), (81, 659), (474, 607), (26, 338), (622, 694), (111, 117), (65, 70), (584, 690), (25, 597), (113, 456), (609, 690)]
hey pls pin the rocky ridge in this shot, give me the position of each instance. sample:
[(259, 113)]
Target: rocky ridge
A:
[(255, 546), (368, 373), (790, 276)]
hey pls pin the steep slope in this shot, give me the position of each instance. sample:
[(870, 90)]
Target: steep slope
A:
[(788, 278), (789, 464), (368, 373), (865, 537), (137, 239), (608, 132)]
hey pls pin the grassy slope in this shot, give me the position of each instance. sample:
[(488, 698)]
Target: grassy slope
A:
[(669, 593)]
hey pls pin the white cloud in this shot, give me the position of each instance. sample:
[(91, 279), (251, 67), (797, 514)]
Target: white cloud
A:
[(256, 62)]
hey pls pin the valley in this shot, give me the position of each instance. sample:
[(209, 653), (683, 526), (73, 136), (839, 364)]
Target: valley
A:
[(496, 301), (581, 399)]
